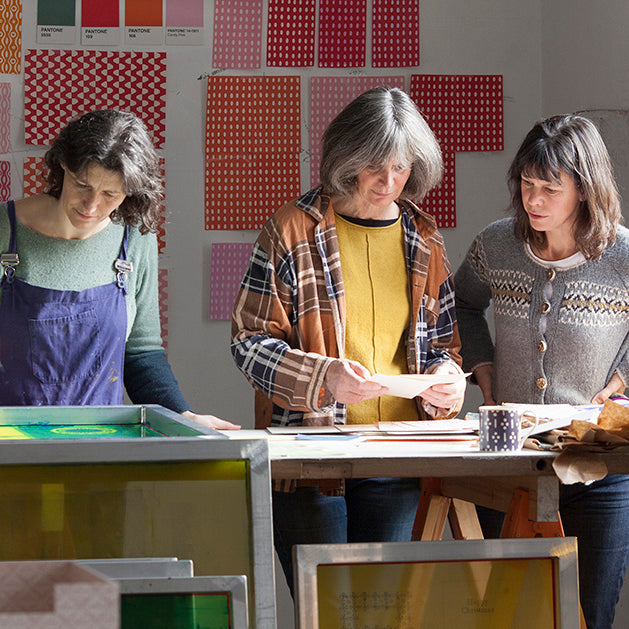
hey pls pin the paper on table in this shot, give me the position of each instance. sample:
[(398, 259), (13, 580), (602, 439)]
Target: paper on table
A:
[(556, 416), (429, 427), (410, 385)]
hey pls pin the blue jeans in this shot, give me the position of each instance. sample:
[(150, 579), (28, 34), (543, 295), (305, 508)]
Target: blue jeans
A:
[(598, 516), (372, 510)]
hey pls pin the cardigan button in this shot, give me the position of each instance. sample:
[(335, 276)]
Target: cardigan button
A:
[(542, 346), (550, 274), (545, 307), (541, 383)]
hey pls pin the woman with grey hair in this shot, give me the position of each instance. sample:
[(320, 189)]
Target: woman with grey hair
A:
[(348, 280), (558, 276), (79, 309)]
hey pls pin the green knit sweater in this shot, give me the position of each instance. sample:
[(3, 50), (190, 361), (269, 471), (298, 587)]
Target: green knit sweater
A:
[(78, 264)]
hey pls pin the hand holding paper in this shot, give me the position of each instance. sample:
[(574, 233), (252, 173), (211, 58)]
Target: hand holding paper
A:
[(411, 385)]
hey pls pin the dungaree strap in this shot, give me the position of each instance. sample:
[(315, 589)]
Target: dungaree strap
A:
[(12, 223), (9, 260), (121, 265)]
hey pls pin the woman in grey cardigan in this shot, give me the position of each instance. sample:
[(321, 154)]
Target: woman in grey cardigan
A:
[(558, 276)]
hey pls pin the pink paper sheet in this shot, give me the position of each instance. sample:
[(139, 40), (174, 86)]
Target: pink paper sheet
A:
[(228, 264), (328, 95), (237, 34)]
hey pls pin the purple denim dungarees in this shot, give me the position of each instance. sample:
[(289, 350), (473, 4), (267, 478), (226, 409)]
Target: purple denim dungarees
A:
[(61, 347)]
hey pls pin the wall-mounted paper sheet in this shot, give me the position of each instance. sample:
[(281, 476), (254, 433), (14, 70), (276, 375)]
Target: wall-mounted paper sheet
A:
[(5, 181)]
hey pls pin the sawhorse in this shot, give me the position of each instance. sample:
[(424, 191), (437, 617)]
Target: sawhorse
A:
[(438, 504)]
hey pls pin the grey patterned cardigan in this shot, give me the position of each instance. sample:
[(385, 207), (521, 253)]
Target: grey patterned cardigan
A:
[(559, 334)]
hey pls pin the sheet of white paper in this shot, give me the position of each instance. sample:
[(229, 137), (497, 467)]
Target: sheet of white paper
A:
[(556, 416), (411, 385), (429, 427)]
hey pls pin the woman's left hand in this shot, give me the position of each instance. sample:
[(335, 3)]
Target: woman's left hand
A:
[(445, 397), (210, 421), (615, 385)]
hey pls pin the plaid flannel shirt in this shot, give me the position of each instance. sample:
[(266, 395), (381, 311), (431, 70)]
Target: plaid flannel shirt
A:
[(288, 323)]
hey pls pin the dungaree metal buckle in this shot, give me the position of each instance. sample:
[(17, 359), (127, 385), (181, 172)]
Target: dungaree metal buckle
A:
[(123, 267), (8, 261)]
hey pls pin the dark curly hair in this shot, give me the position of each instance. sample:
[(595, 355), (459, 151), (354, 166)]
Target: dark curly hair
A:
[(572, 144), (117, 141)]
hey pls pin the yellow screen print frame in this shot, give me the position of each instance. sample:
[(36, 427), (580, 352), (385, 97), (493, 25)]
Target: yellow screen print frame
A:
[(467, 584)]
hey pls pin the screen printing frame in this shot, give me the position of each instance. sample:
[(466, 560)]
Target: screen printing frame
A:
[(153, 416), (193, 443), (308, 558), (235, 586)]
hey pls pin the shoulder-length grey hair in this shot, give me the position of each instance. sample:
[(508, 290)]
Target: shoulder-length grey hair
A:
[(117, 141), (380, 126), (572, 144)]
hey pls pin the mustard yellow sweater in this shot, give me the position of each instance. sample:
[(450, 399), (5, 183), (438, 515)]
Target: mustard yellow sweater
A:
[(378, 311)]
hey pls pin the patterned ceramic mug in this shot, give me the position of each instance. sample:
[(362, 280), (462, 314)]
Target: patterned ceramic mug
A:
[(501, 430)]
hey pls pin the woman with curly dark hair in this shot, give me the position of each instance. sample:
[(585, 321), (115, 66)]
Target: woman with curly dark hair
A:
[(79, 315)]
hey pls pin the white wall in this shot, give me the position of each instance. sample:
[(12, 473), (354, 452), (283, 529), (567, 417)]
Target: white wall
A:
[(457, 37)]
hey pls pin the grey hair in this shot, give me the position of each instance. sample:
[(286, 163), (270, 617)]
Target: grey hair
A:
[(380, 126)]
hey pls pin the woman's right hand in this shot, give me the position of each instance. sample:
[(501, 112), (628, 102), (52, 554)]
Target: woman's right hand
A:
[(615, 385), (484, 377), (349, 382)]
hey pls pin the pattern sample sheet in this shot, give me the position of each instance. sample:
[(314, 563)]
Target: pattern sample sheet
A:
[(466, 114), (92, 79), (342, 33), (252, 149), (34, 182), (328, 97), (5, 181), (228, 264), (291, 33), (237, 34), (162, 280), (395, 34), (5, 117), (10, 36)]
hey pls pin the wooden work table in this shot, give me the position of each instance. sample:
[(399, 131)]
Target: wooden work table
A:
[(464, 472)]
